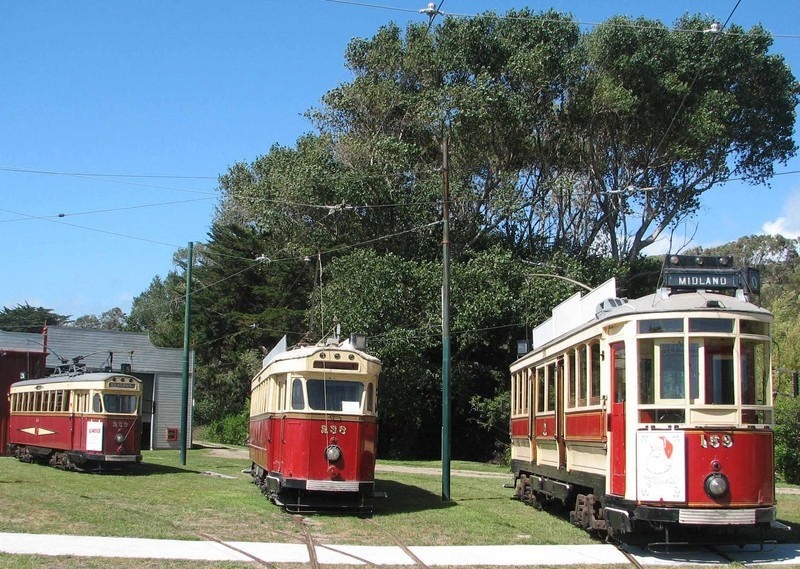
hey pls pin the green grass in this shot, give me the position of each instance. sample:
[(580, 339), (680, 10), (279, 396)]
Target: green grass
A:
[(163, 499)]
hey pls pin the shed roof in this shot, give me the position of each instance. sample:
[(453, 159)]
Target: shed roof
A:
[(97, 348)]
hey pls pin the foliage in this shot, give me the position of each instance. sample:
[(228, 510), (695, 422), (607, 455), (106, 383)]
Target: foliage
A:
[(568, 152), (243, 302), (160, 311), (114, 319), (230, 430), (777, 257), (27, 318), (787, 439), (396, 302), (592, 143)]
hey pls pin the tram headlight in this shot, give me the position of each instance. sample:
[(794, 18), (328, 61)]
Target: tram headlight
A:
[(716, 485), (120, 438), (333, 453)]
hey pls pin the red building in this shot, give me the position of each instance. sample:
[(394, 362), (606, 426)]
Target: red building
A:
[(16, 365)]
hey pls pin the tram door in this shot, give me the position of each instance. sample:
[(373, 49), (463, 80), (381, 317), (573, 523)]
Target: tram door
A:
[(617, 419)]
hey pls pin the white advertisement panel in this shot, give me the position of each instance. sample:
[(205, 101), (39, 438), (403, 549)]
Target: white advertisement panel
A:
[(661, 466), (94, 436)]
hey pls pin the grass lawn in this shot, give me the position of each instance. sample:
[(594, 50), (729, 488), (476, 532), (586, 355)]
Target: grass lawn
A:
[(210, 497)]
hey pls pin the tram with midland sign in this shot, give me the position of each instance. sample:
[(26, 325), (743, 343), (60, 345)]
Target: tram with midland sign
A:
[(313, 427), (653, 413), (77, 421)]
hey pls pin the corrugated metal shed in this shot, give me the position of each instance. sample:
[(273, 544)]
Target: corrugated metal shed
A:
[(160, 369)]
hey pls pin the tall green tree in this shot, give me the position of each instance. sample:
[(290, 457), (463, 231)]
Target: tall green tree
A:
[(31, 319), (247, 294), (660, 115)]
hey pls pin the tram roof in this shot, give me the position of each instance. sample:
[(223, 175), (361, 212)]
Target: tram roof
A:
[(307, 351), (580, 312), (90, 377)]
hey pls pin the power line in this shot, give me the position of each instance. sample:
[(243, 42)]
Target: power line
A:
[(102, 175), (542, 19), (26, 217)]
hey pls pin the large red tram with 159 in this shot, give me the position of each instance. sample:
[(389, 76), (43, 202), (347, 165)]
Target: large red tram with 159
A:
[(80, 421), (653, 413), (313, 428)]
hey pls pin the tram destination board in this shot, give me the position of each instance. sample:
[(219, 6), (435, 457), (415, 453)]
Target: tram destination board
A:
[(703, 279)]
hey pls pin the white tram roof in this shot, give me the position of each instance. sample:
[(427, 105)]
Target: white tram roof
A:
[(578, 312), (281, 353), (91, 377)]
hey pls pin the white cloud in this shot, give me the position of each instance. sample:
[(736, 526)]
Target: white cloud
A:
[(787, 224)]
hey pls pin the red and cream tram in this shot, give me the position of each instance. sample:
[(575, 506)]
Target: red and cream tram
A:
[(313, 428), (82, 421), (651, 413)]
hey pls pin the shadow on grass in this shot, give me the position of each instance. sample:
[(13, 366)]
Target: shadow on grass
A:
[(405, 498), (151, 469)]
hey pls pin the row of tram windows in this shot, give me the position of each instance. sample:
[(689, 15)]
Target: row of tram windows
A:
[(67, 401), (682, 362), (281, 394), (581, 367)]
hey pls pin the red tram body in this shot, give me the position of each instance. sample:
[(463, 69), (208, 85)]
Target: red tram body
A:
[(313, 428), (79, 421), (653, 413)]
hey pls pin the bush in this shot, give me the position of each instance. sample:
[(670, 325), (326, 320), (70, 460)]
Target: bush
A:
[(231, 430), (787, 439)]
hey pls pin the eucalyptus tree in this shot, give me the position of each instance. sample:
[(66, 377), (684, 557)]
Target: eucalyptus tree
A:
[(662, 115)]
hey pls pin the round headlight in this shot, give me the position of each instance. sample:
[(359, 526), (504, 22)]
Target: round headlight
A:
[(333, 453), (716, 485), (120, 438)]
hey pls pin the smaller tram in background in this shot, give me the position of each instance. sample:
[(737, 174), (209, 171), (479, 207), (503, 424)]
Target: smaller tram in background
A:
[(313, 427), (653, 413), (77, 421)]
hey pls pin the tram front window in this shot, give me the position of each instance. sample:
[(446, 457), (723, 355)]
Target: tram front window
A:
[(344, 396), (118, 403)]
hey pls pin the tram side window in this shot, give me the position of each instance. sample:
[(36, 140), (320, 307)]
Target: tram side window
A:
[(646, 379), (552, 382), (298, 401), (594, 377), (97, 403), (280, 394), (719, 372), (755, 373), (540, 390), (580, 367), (516, 393), (694, 371), (370, 398), (572, 395)]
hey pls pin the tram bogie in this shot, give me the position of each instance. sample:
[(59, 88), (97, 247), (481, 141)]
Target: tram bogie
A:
[(313, 428), (654, 412)]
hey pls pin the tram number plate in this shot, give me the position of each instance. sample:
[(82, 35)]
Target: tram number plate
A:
[(333, 429)]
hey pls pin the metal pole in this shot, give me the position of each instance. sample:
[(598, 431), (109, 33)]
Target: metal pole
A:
[(445, 324), (185, 386)]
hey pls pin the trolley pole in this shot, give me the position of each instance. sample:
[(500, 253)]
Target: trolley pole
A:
[(445, 323), (185, 385)]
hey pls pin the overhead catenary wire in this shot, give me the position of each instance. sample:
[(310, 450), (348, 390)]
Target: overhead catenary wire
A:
[(588, 24)]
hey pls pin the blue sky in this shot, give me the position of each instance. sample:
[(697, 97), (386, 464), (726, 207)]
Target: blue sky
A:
[(117, 118)]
